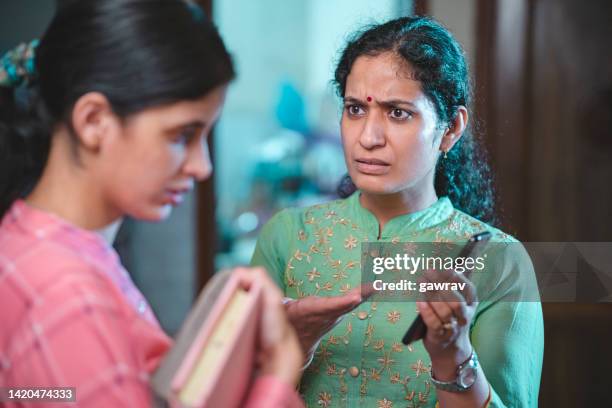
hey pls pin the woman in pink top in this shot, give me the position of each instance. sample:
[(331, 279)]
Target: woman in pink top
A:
[(109, 119)]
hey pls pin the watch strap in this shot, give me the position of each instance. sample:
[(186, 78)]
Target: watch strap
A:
[(455, 386)]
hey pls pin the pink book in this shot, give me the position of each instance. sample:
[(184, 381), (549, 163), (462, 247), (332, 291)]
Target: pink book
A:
[(212, 361)]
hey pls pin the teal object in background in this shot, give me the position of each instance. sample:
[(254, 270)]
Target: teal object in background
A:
[(291, 108)]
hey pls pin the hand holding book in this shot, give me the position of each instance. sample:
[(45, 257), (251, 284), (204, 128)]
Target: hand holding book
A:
[(279, 352), (236, 333)]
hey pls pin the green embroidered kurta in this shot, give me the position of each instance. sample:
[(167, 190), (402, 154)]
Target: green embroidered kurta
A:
[(362, 362)]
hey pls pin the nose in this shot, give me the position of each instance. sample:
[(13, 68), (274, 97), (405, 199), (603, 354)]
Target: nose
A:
[(198, 164), (373, 133)]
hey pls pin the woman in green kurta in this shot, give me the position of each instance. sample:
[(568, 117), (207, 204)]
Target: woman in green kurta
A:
[(406, 91)]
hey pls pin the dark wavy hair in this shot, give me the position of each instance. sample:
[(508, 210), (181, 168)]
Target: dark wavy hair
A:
[(438, 62), (137, 53)]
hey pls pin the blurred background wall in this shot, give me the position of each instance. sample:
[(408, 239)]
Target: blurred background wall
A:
[(543, 75), (23, 20)]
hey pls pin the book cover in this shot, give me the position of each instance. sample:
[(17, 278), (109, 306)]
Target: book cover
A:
[(213, 358)]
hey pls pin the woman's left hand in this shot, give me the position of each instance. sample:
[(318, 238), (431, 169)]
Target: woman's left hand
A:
[(448, 315)]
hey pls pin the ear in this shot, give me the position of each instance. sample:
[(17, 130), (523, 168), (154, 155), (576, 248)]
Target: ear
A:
[(92, 117), (455, 129)]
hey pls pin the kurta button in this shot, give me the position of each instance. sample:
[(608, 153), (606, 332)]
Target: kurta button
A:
[(354, 371), (362, 315)]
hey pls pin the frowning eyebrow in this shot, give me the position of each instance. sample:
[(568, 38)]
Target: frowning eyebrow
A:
[(388, 103)]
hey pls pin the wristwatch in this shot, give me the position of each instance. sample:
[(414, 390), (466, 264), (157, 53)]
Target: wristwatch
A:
[(466, 376)]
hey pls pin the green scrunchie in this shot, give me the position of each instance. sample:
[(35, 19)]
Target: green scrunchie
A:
[(17, 66)]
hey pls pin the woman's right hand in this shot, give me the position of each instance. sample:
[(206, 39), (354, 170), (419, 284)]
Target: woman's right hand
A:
[(313, 316), (279, 353)]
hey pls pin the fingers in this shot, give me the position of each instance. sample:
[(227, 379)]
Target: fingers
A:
[(466, 292), (250, 275), (310, 326), (321, 309), (449, 307), (469, 290), (442, 311), (458, 311), (311, 316), (332, 306), (430, 318), (275, 325), (366, 290)]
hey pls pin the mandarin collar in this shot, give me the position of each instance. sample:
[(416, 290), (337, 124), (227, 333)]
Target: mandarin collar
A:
[(403, 224)]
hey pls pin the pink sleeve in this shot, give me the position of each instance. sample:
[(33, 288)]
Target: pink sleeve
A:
[(83, 334), (268, 391)]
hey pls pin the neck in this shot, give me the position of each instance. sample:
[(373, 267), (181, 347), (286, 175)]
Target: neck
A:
[(109, 233), (66, 190), (388, 206)]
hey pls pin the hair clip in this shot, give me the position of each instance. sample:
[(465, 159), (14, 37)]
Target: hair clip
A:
[(17, 66)]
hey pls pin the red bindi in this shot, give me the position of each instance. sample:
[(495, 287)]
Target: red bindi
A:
[(369, 98)]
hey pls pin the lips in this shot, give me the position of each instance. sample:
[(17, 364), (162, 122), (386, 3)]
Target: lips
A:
[(372, 161), (175, 196), (184, 190), (371, 166)]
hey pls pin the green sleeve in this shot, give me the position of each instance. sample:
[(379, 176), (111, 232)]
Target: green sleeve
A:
[(272, 249), (508, 334)]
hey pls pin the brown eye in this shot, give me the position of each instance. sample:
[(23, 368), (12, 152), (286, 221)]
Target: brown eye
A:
[(400, 114), (354, 110)]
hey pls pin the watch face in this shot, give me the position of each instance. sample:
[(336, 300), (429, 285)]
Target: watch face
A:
[(467, 377)]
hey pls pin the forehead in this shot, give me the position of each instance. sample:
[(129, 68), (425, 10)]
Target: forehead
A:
[(383, 75), (205, 109)]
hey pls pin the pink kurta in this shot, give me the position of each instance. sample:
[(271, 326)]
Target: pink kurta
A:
[(70, 316)]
